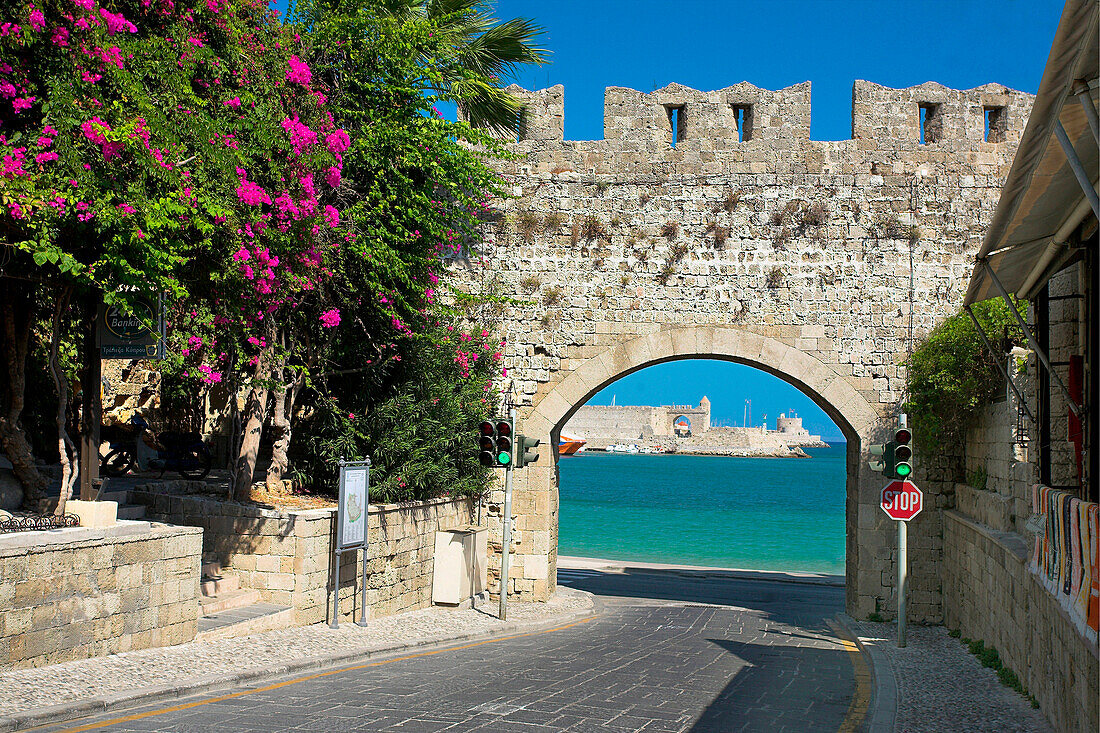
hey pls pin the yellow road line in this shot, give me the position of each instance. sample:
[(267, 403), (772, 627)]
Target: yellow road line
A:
[(861, 699), (306, 678)]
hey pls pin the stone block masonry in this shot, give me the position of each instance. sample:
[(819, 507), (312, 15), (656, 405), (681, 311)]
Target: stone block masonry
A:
[(742, 239), (286, 555), (76, 593), (989, 594)]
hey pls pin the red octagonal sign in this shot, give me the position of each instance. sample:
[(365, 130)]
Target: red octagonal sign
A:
[(902, 500)]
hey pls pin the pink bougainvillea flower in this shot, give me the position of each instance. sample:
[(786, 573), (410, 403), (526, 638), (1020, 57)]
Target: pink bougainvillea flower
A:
[(36, 19), (332, 176), (299, 72), (20, 104), (337, 141), (116, 22), (301, 137), (60, 37), (332, 216), (330, 318), (235, 103)]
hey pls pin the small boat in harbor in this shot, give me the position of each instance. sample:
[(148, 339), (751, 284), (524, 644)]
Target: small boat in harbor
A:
[(622, 448), (569, 445)]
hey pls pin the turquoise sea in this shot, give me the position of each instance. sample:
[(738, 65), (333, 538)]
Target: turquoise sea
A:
[(759, 513)]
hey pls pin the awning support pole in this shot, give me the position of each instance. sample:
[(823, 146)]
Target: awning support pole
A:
[(1000, 366), (1078, 169), (1084, 96), (1031, 337)]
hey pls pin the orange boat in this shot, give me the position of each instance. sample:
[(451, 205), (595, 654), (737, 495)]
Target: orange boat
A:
[(568, 444)]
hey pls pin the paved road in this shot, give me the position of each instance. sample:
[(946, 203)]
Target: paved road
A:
[(666, 653)]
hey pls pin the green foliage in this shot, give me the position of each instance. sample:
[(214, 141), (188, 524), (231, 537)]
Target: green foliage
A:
[(977, 478), (419, 430), (951, 374), (989, 657)]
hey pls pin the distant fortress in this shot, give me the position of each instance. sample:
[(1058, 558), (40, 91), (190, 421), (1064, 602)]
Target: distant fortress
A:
[(686, 429)]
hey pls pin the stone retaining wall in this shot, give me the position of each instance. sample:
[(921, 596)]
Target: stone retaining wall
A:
[(286, 554), (989, 594), (77, 593)]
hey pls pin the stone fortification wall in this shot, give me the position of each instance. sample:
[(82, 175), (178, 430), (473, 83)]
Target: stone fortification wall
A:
[(77, 593), (612, 423), (755, 244), (286, 555), (737, 442)]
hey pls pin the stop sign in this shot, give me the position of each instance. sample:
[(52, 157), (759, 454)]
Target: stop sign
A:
[(902, 500)]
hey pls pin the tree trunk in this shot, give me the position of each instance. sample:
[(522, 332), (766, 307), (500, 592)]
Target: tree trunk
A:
[(16, 317), (282, 411), (65, 445), (255, 411)]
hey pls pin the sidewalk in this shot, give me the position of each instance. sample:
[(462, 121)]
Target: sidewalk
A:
[(935, 684), (60, 692)]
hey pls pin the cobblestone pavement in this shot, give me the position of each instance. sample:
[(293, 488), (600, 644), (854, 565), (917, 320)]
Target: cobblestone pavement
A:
[(943, 687), (30, 689), (666, 653)]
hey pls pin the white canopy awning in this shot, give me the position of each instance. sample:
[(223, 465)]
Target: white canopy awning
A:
[(1042, 202)]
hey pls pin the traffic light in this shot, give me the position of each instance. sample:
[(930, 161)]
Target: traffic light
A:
[(894, 460), (526, 450), (903, 453), (495, 443)]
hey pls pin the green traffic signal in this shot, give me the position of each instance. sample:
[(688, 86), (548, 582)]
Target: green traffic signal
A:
[(495, 443), (903, 470)]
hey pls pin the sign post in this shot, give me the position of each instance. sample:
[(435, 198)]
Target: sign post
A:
[(902, 500), (506, 544), (351, 530)]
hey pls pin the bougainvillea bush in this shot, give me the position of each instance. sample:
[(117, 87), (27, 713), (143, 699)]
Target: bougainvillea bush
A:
[(163, 147), (290, 189)]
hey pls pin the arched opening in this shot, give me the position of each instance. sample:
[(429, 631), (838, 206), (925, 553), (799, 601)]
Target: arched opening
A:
[(840, 396), (708, 478)]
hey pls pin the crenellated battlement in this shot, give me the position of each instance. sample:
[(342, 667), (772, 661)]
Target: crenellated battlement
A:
[(744, 114)]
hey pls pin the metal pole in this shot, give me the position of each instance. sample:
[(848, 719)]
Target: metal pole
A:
[(1078, 168), (1000, 366), (903, 572), (335, 622), (1084, 96), (1042, 355), (903, 558), (363, 592), (506, 544)]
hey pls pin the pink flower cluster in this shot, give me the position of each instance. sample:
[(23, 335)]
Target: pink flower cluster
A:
[(330, 318), (250, 192), (94, 130), (299, 72)]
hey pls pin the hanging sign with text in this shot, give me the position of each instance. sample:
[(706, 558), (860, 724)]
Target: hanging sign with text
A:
[(122, 335)]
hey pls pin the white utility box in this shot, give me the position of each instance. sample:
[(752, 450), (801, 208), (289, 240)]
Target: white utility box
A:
[(461, 565), (94, 514)]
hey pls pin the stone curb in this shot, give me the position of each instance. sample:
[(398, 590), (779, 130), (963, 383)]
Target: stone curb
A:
[(56, 714), (883, 710)]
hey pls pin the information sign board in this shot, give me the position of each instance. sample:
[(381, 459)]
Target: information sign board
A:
[(351, 525)]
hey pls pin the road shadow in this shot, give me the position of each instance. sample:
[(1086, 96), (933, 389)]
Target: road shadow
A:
[(782, 687)]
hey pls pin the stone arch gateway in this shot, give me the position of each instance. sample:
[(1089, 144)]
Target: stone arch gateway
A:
[(834, 394), (818, 261)]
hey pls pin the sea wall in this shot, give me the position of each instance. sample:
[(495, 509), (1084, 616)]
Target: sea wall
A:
[(286, 555), (75, 593)]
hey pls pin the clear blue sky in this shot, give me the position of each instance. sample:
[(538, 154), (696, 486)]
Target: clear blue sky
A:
[(645, 44)]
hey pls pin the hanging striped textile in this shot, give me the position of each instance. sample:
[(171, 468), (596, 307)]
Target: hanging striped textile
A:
[(1067, 554)]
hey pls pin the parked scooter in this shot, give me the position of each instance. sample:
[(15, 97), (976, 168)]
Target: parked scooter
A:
[(184, 453)]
